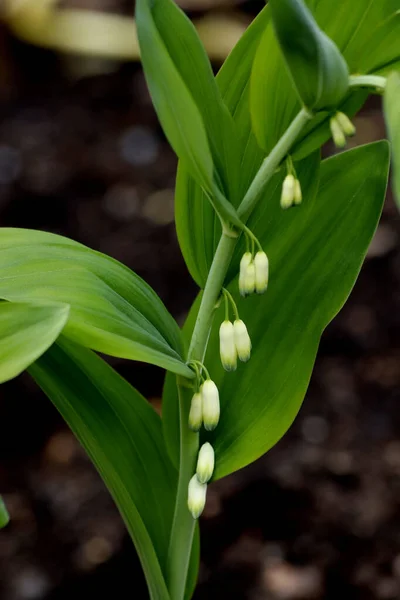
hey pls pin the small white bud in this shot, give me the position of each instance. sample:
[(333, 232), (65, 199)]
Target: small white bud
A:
[(298, 196), (247, 259), (337, 133), (211, 408), (196, 412), (196, 497), (205, 463), (242, 340), (227, 348), (261, 263), (288, 191), (345, 124), (249, 280)]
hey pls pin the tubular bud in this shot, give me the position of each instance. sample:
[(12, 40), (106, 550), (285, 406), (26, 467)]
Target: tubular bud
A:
[(242, 340), (261, 263), (227, 346), (247, 259), (205, 463), (298, 196), (196, 497), (288, 191), (249, 280), (345, 124), (338, 136), (196, 412), (211, 408)]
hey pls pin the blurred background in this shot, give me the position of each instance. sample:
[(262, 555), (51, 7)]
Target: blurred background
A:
[(82, 155)]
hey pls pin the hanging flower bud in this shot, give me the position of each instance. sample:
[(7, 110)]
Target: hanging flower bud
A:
[(249, 282), (345, 124), (261, 263), (242, 340), (298, 196), (227, 346), (196, 497), (205, 463), (338, 136), (288, 191), (196, 412), (211, 409), (247, 259)]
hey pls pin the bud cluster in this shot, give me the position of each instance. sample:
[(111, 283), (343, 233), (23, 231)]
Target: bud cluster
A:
[(205, 409), (341, 127), (254, 273), (291, 192), (234, 343)]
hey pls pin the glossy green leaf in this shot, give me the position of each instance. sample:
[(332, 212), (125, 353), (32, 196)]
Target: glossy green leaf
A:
[(112, 310), (26, 331), (187, 100), (318, 69), (392, 117), (4, 516), (352, 26), (122, 435), (315, 257)]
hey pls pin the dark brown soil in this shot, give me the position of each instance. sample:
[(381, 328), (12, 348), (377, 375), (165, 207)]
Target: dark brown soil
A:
[(318, 516)]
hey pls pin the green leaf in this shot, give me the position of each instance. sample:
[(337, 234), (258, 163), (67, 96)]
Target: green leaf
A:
[(382, 52), (318, 69), (315, 256), (112, 310), (4, 516), (26, 331), (351, 26), (392, 117), (122, 435), (186, 98)]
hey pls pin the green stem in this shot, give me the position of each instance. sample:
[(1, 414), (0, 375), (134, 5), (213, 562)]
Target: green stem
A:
[(373, 81), (183, 524)]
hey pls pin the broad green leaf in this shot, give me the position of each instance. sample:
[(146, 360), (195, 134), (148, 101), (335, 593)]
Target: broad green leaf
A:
[(112, 310), (187, 100), (4, 516), (122, 435), (315, 257), (352, 26), (318, 69), (26, 331), (392, 117), (382, 51)]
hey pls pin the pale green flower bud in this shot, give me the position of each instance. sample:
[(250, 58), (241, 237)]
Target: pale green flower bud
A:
[(247, 259), (211, 408), (205, 463), (196, 497), (261, 263), (288, 191), (242, 340), (298, 196), (196, 412), (345, 124), (338, 136), (227, 346), (249, 280)]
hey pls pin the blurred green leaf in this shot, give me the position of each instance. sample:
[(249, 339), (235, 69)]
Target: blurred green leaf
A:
[(392, 117), (187, 100), (315, 254), (26, 331), (112, 310), (122, 435), (4, 516), (317, 67)]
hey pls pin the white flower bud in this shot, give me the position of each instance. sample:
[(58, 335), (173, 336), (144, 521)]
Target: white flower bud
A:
[(298, 196), (247, 259), (227, 346), (345, 124), (196, 412), (288, 190), (337, 133), (242, 340), (249, 280), (211, 409), (196, 497), (205, 463), (261, 263)]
